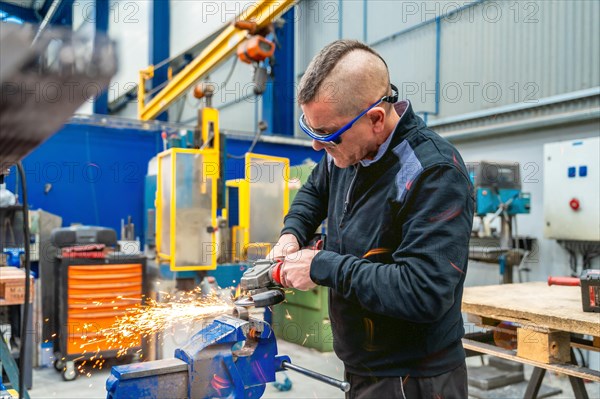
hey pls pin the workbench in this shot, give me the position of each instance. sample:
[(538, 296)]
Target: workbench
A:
[(550, 322)]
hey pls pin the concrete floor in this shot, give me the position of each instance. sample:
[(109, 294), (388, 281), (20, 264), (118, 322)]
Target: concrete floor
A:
[(551, 379), (47, 383)]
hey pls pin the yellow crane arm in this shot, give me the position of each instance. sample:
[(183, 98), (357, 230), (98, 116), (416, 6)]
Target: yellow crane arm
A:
[(262, 13)]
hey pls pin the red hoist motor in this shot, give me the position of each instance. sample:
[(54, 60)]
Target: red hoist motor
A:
[(255, 50)]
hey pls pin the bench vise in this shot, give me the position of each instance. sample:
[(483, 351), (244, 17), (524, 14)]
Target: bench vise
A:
[(233, 357)]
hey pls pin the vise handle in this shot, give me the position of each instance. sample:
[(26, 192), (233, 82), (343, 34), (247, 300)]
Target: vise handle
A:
[(343, 385)]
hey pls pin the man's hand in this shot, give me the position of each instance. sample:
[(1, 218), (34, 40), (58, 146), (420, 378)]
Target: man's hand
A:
[(287, 245), (295, 271)]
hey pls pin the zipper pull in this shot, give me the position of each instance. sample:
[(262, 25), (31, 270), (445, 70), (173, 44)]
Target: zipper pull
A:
[(347, 200)]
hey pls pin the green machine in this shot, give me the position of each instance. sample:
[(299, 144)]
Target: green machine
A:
[(304, 317)]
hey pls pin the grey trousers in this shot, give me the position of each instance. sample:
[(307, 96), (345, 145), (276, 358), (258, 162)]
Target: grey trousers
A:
[(450, 385)]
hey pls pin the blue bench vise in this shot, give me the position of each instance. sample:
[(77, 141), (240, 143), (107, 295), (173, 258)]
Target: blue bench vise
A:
[(233, 357)]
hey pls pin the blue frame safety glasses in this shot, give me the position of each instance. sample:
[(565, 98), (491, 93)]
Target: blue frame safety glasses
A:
[(334, 137)]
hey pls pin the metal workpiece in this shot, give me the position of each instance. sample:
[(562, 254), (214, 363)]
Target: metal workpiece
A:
[(156, 379), (159, 367), (240, 312)]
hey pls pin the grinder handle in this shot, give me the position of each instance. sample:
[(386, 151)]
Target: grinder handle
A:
[(571, 281), (276, 272)]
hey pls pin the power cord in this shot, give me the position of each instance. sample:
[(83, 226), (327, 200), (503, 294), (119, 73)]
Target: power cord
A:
[(262, 126), (185, 102), (24, 322)]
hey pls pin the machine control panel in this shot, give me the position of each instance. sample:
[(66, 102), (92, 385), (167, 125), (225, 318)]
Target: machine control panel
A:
[(572, 190)]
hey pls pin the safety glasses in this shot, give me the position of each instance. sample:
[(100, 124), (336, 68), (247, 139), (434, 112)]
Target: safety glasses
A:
[(334, 136)]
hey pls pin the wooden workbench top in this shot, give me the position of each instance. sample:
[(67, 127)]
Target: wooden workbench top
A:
[(533, 305)]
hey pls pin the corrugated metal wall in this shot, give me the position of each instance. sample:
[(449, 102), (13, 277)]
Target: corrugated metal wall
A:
[(529, 51), (492, 53)]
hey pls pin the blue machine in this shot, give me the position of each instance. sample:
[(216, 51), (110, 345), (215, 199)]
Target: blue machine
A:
[(498, 192), (515, 201), (498, 189), (230, 358)]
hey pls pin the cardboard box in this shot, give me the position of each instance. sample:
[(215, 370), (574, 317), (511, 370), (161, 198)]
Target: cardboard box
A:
[(12, 286)]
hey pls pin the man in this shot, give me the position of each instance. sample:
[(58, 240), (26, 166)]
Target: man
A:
[(399, 209)]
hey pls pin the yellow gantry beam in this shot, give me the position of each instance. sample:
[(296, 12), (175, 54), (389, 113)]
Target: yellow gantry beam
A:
[(262, 12)]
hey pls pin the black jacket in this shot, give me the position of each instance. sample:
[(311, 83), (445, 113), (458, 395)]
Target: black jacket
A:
[(396, 251)]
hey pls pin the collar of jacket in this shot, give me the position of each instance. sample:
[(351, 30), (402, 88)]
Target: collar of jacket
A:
[(408, 121)]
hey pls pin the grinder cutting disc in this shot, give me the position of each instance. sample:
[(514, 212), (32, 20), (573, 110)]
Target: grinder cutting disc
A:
[(262, 299)]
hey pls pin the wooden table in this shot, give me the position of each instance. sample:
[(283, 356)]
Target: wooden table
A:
[(550, 321)]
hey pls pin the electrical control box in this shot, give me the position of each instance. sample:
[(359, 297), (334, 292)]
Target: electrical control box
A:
[(572, 190)]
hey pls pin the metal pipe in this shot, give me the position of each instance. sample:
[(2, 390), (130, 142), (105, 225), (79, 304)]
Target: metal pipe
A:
[(365, 14), (116, 121), (241, 313), (506, 242), (343, 385), (46, 20), (438, 49), (340, 25), (269, 139), (438, 39)]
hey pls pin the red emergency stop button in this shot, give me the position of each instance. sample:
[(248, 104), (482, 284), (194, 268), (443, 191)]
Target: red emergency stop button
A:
[(574, 204)]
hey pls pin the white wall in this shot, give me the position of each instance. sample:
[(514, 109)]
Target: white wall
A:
[(128, 25)]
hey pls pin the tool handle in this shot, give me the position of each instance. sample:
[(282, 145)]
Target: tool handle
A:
[(276, 272), (343, 385), (571, 281)]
